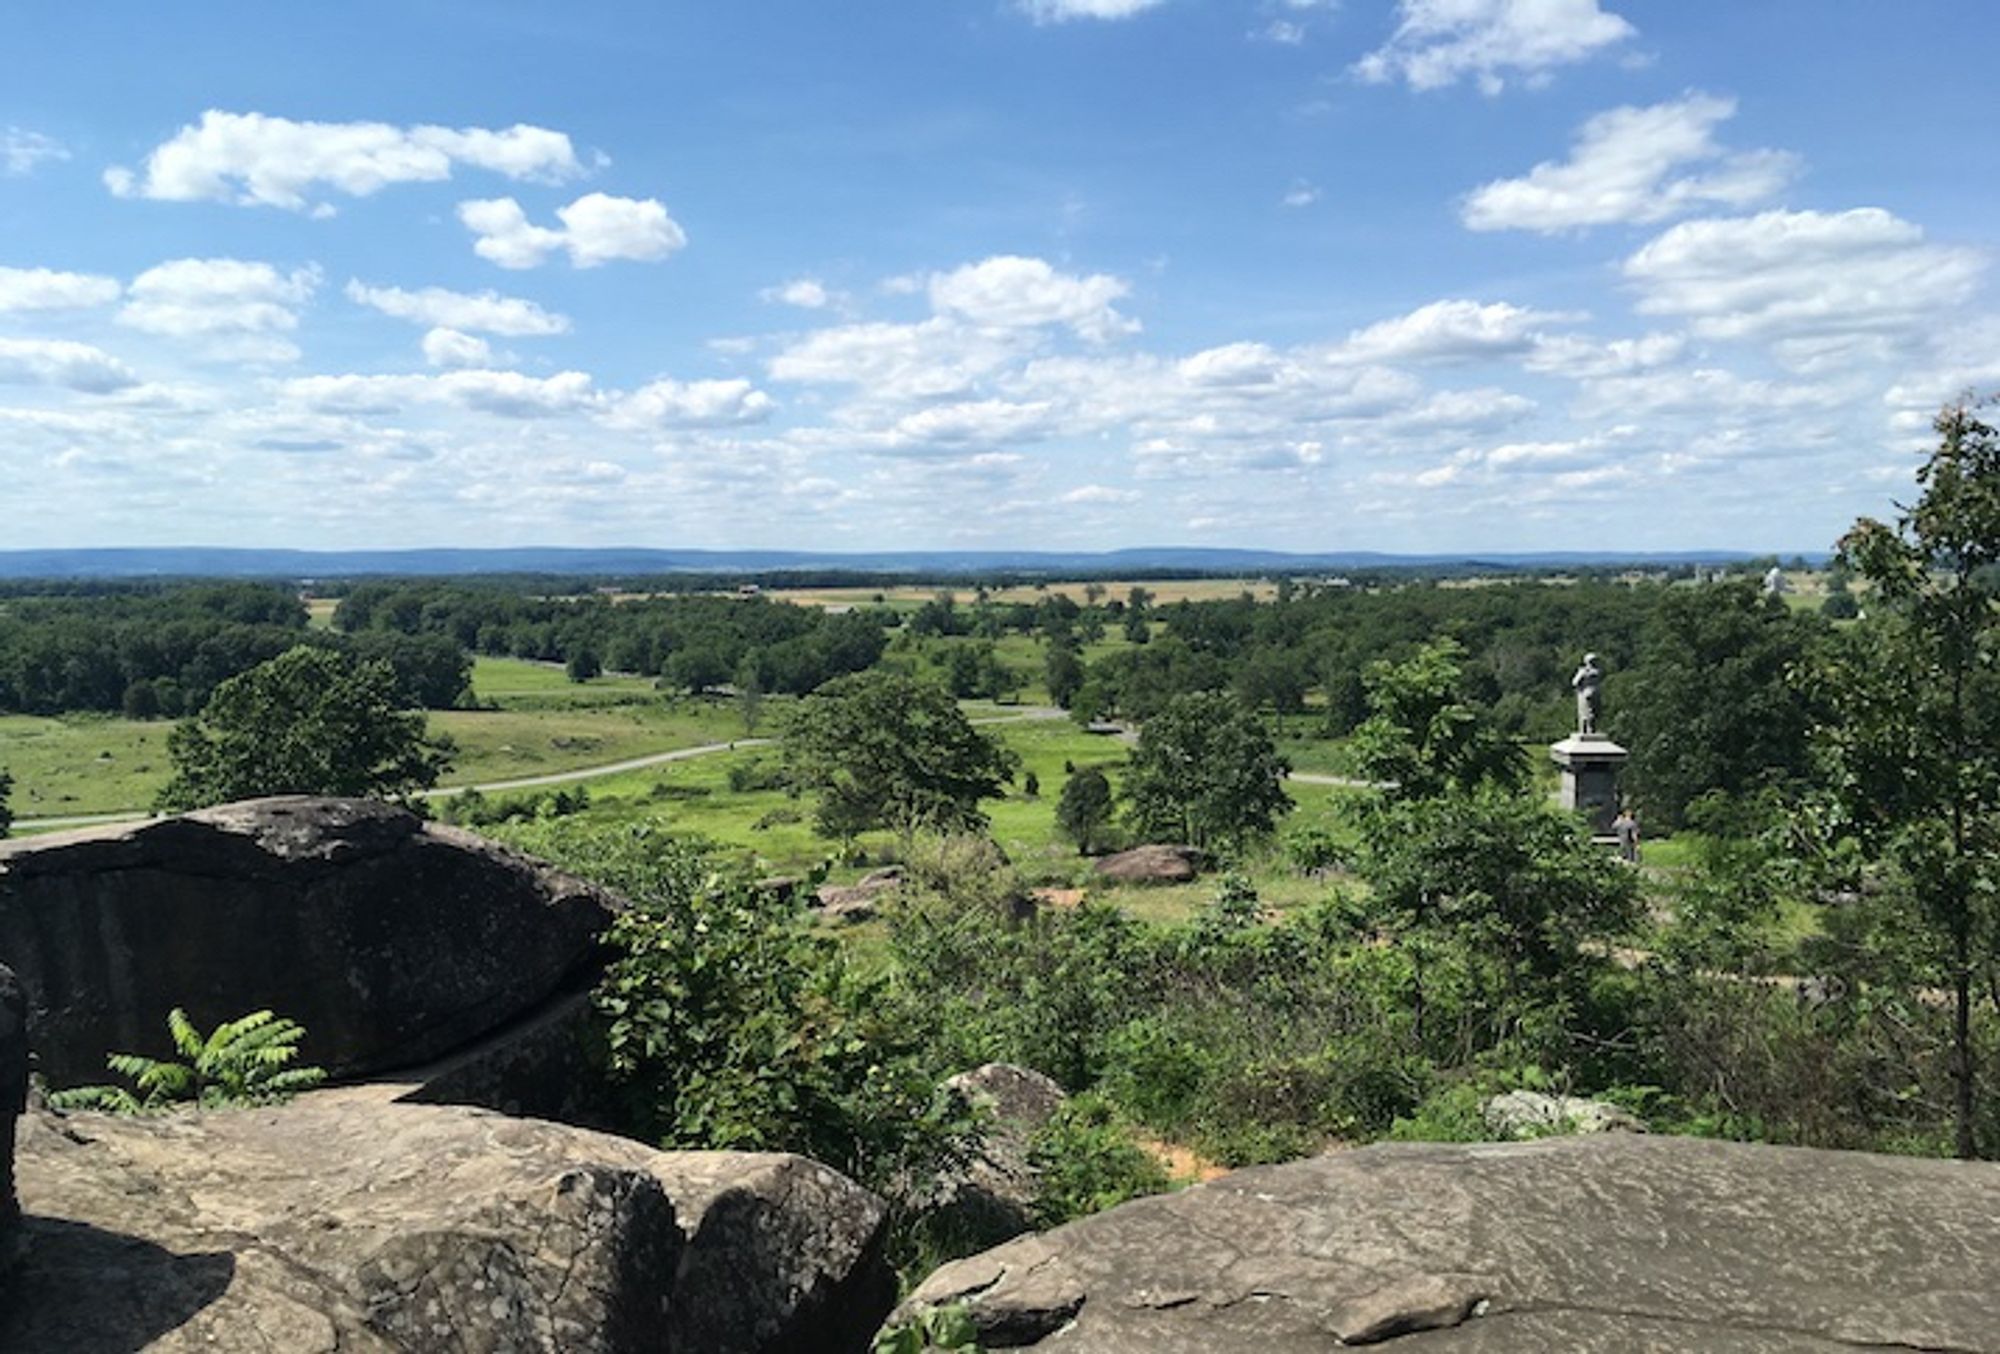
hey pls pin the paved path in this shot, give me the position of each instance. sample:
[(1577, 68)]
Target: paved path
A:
[(1024, 715)]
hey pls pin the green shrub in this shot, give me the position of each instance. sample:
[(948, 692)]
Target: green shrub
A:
[(242, 1062), (1087, 1160)]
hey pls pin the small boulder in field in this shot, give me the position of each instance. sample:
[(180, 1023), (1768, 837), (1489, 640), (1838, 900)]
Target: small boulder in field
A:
[(856, 902), (1530, 1114), (992, 1197), (1151, 865)]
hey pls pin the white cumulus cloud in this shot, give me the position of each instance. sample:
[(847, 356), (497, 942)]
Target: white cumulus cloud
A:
[(1062, 11), (1011, 292), (46, 289), (692, 404), (596, 228), (254, 160), (486, 312), (1811, 282), (1098, 493), (235, 307), (807, 293), (58, 362), (1622, 169), (1450, 331), (453, 348), (1439, 42)]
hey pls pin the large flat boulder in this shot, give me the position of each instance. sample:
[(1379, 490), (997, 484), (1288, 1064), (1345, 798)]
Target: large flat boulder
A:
[(337, 1223), (1150, 865), (1614, 1242), (390, 939)]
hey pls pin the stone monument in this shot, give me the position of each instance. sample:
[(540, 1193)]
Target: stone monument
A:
[(1590, 761)]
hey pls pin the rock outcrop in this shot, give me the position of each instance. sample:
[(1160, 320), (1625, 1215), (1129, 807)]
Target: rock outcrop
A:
[(1612, 1242), (1532, 1114), (13, 1099), (391, 940), (338, 1223), (1150, 865), (992, 1197)]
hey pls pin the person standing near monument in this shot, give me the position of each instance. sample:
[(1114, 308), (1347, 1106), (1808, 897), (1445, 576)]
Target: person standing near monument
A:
[(1626, 828)]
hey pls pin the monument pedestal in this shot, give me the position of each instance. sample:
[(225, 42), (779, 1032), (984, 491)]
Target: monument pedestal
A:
[(1590, 763)]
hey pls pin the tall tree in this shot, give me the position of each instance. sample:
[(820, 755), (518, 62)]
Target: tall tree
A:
[(1914, 745), (879, 749), (1424, 734), (1206, 773), (1715, 701), (310, 721), (1085, 807)]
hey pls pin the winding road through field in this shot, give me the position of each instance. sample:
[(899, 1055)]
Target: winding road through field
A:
[(1024, 715)]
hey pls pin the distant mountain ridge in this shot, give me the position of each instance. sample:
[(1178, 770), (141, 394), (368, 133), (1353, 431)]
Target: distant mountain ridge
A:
[(228, 562)]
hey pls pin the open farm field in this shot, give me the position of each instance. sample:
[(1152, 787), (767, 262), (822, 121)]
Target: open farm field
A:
[(82, 764), (1164, 592), (518, 683)]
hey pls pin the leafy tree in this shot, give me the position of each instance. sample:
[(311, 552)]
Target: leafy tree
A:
[(749, 696), (1494, 887), (1205, 772), (1914, 747), (6, 812), (1062, 673), (310, 721), (1084, 807), (879, 749), (583, 665), (1424, 735), (1714, 702), (243, 1062)]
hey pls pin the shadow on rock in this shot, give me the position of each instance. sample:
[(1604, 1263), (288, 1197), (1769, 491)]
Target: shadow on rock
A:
[(84, 1290)]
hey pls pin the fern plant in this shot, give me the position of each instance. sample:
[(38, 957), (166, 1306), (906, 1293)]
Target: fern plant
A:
[(247, 1061)]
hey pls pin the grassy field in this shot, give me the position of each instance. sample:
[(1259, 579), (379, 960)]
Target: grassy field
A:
[(1164, 591), (80, 764), (90, 764)]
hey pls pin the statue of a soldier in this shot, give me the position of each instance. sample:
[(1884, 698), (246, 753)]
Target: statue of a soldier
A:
[(1589, 687)]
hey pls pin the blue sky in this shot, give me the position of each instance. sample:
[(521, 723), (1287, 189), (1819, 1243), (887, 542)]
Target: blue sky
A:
[(1300, 274)]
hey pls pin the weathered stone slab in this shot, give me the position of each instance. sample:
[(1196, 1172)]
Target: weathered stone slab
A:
[(390, 939), (337, 1223), (1613, 1242)]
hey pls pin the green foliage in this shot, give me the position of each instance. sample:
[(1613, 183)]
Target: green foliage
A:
[(584, 665), (1714, 703), (242, 1062), (1314, 849), (6, 812), (1424, 735), (308, 722), (1205, 773), (880, 750), (1086, 1160), (1913, 752), (1505, 885), (1062, 674), (728, 1024), (942, 1330), (1084, 809)]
